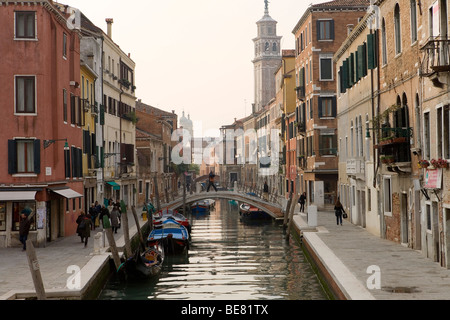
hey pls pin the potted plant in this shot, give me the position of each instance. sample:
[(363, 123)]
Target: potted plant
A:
[(439, 163), (387, 159), (424, 164)]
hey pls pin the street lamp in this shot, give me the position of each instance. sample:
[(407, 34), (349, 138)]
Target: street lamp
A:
[(48, 143)]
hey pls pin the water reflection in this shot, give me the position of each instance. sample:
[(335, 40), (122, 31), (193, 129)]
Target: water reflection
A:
[(229, 259)]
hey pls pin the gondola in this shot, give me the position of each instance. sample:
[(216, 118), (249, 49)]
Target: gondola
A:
[(145, 264), (173, 236)]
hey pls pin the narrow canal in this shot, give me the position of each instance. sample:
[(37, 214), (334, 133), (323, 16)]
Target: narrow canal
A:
[(229, 259)]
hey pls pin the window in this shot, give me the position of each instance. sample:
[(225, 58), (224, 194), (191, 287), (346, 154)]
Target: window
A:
[(328, 145), (428, 217), (25, 25), (274, 47), (383, 43), (397, 30), (325, 30), (24, 156), (2, 216), (413, 21), (326, 69), (65, 104), (369, 199), (327, 107), (439, 132), (387, 195), (16, 216), (443, 131), (64, 45), (26, 94)]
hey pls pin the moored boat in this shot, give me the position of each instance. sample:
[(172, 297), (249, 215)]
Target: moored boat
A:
[(200, 207), (145, 264), (168, 214), (247, 211), (173, 236)]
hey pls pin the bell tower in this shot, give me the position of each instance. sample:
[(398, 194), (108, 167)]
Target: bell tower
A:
[(267, 59)]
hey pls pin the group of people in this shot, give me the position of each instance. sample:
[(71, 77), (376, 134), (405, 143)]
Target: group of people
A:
[(107, 216)]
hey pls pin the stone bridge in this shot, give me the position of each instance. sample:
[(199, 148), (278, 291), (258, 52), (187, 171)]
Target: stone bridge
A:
[(273, 209)]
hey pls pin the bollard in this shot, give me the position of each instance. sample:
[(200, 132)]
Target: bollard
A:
[(98, 242), (198, 187), (312, 216), (235, 188)]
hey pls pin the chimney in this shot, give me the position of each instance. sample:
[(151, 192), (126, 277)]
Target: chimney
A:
[(109, 22)]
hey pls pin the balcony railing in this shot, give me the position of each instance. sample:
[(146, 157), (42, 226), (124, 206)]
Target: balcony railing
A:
[(436, 56), (394, 144), (300, 93)]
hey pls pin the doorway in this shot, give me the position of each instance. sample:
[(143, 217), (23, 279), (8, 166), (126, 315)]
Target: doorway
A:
[(446, 238)]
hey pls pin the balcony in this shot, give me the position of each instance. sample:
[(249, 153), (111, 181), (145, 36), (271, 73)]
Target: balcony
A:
[(394, 146), (300, 93), (435, 58)]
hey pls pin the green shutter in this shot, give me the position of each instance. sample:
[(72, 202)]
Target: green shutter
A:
[(371, 52), (37, 156), (12, 157), (351, 70), (345, 72), (358, 64), (102, 115)]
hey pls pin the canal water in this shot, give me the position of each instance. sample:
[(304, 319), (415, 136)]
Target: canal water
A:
[(229, 259)]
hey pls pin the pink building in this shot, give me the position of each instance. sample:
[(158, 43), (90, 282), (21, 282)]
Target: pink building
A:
[(41, 120)]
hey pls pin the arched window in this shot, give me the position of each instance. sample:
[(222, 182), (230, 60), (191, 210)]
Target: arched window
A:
[(274, 47), (266, 47), (361, 138), (397, 30), (383, 42), (351, 139)]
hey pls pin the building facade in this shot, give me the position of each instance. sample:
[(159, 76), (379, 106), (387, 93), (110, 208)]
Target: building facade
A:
[(42, 135), (119, 130), (319, 33)]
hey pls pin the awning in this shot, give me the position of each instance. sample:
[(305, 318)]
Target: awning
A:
[(67, 193), (17, 195), (114, 185)]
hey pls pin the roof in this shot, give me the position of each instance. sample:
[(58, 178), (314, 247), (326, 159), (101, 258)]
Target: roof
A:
[(333, 5)]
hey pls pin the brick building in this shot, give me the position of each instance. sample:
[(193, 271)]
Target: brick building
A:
[(318, 35)]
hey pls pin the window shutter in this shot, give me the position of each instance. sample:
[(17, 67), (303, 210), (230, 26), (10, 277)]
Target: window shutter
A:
[(12, 157), (371, 52), (67, 163), (351, 70), (364, 59), (345, 82), (320, 107), (37, 156), (334, 107), (358, 65), (102, 115), (318, 29), (73, 161), (80, 163), (332, 29)]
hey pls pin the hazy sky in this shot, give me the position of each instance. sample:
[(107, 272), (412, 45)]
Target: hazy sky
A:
[(194, 56)]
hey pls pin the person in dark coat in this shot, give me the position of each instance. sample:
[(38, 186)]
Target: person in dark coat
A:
[(93, 214), (266, 191), (115, 218), (211, 181), (338, 211), (104, 212), (84, 227), (302, 201), (24, 228)]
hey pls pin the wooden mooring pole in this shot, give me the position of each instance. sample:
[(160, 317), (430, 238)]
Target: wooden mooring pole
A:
[(35, 271), (126, 233), (136, 219), (291, 215)]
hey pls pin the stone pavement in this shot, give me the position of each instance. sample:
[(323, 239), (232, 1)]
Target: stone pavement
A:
[(348, 251), (54, 261)]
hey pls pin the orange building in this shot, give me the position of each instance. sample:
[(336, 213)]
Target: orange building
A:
[(41, 121)]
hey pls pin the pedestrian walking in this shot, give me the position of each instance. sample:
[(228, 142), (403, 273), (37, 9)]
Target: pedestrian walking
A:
[(266, 191), (115, 218), (339, 211), (24, 227), (84, 227), (104, 215), (302, 201), (93, 214), (211, 181)]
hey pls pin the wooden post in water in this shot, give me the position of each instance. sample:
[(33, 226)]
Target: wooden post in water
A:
[(126, 234), (158, 203), (286, 213), (184, 193), (136, 219), (113, 247), (35, 270), (291, 215)]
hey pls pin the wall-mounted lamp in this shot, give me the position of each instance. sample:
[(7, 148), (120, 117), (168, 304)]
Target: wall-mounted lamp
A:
[(48, 143)]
